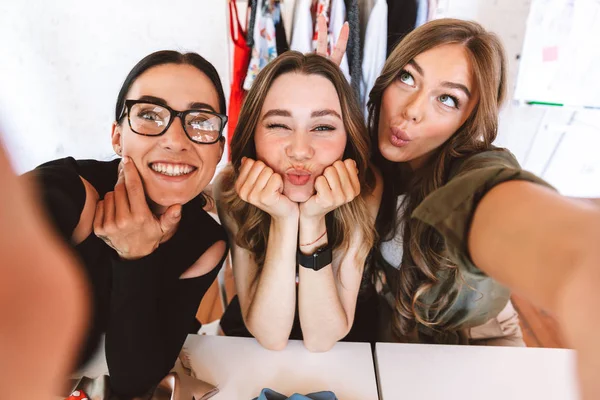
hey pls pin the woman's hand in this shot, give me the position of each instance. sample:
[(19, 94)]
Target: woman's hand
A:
[(260, 186), (337, 186), (125, 222), (340, 46)]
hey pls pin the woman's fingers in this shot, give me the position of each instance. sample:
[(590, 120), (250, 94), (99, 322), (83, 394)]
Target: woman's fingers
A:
[(273, 190), (122, 212), (340, 46), (99, 219), (135, 189), (109, 211), (348, 173), (256, 192), (322, 36), (246, 186)]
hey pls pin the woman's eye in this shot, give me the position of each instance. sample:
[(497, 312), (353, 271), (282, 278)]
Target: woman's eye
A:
[(407, 78), (449, 101), (276, 126), (201, 125), (324, 128), (149, 116)]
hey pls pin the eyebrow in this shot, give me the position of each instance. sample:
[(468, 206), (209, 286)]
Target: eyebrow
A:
[(450, 85), (315, 114), (276, 112), (325, 112), (192, 105), (416, 66), (458, 86)]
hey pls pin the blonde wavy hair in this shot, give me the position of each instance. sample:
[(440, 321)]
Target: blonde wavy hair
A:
[(253, 223), (425, 255)]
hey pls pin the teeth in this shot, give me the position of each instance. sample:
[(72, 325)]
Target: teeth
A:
[(171, 170)]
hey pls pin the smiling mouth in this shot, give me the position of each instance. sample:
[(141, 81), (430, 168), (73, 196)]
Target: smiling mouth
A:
[(169, 169)]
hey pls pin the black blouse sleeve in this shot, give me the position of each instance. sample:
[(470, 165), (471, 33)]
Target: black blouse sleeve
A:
[(152, 312), (62, 193)]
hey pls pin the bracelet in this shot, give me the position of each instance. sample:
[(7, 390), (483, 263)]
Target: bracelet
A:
[(315, 241)]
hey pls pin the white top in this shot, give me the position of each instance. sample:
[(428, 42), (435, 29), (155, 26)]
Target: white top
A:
[(409, 371), (302, 31), (337, 17), (375, 50), (241, 368), (422, 12), (392, 250)]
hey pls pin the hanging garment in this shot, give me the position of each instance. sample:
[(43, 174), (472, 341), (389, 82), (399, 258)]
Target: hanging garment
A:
[(375, 50), (303, 27), (253, 4), (354, 50), (280, 35), (431, 9), (365, 7), (422, 12), (402, 15), (265, 45), (337, 17), (241, 59), (321, 8), (287, 12)]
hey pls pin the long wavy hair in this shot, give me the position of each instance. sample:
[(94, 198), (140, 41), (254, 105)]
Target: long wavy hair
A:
[(253, 223), (425, 257)]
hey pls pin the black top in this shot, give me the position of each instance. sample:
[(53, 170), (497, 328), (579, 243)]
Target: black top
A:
[(364, 328), (143, 307)]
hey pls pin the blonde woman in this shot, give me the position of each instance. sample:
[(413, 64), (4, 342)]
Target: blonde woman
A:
[(460, 222), (299, 207)]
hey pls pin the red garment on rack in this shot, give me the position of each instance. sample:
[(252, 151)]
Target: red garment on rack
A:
[(241, 59)]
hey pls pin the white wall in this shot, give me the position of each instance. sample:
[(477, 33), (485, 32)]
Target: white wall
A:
[(62, 64), (558, 144)]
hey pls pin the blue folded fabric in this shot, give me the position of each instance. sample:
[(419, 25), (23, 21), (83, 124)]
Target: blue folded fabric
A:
[(269, 394)]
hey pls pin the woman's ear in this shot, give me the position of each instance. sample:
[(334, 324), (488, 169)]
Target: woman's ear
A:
[(116, 138), (221, 148)]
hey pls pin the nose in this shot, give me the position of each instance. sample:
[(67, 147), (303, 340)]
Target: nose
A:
[(414, 109), (300, 146), (174, 138)]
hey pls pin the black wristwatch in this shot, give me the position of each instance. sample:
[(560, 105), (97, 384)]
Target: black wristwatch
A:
[(319, 259)]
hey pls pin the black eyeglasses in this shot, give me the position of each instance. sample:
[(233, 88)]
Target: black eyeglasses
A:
[(150, 119)]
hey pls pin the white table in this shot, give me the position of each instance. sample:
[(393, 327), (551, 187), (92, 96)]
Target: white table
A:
[(416, 371), (241, 368)]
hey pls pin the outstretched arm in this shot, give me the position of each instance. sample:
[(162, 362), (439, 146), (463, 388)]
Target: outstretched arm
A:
[(40, 286), (547, 248)]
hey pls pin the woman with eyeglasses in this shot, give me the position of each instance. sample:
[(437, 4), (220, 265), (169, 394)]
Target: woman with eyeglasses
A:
[(149, 249)]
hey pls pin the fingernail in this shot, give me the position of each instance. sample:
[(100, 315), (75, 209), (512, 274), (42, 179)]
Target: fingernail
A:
[(244, 159), (125, 160), (176, 214)]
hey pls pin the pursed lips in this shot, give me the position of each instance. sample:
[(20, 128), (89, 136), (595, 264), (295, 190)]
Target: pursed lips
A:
[(298, 176)]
